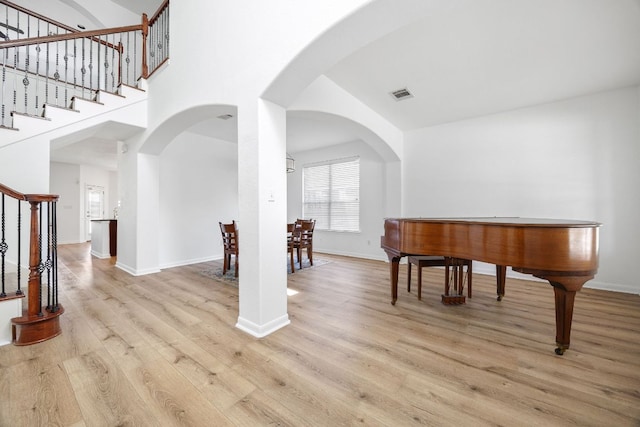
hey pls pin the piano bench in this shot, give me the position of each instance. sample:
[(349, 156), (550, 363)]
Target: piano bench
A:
[(421, 261)]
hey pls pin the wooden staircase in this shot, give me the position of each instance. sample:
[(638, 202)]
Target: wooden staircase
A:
[(46, 80)]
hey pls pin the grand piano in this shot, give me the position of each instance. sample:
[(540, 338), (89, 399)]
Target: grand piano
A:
[(564, 252)]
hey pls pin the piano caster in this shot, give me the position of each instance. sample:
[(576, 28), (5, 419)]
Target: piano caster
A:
[(499, 297), (561, 349)]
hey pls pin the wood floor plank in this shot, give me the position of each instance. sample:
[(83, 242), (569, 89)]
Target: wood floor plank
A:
[(218, 383), (163, 349), (39, 394), (105, 394)]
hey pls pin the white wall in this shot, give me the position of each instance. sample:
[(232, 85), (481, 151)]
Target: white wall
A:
[(574, 159), (113, 197), (65, 182), (366, 243), (198, 189)]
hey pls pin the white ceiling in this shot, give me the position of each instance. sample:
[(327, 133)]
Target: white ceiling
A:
[(471, 58), (140, 6)]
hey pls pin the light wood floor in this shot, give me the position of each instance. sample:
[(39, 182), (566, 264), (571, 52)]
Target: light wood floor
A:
[(162, 350)]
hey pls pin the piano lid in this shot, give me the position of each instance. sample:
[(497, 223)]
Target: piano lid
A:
[(507, 221)]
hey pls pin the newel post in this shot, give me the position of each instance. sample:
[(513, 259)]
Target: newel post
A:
[(145, 33), (35, 291)]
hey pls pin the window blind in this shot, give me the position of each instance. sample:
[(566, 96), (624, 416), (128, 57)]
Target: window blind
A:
[(331, 194)]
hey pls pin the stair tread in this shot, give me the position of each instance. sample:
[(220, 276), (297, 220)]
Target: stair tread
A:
[(11, 296), (46, 315), (61, 107), (132, 87), (78, 98), (34, 116)]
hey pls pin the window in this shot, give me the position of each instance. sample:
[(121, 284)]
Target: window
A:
[(331, 194)]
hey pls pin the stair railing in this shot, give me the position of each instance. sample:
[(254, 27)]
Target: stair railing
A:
[(158, 40), (40, 319), (45, 62)]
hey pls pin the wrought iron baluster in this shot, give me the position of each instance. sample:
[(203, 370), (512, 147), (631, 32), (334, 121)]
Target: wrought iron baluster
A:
[(113, 63), (54, 255), (56, 74), (16, 59), (91, 43), (25, 80), (153, 44), (66, 73), (37, 77), (98, 62), (135, 58), (4, 84), (4, 71), (40, 266), (15, 79), (3, 250), (48, 262), (46, 75), (19, 273), (127, 60), (83, 70), (75, 67)]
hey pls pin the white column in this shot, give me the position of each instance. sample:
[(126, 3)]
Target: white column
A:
[(138, 220), (262, 217), (148, 214)]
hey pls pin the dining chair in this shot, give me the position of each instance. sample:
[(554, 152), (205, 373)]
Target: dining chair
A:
[(230, 244), (304, 239), (291, 229)]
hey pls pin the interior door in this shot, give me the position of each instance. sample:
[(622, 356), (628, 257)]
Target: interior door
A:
[(94, 206)]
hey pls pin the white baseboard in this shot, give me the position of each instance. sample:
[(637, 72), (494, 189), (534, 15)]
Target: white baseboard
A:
[(190, 261), (135, 272), (260, 331), (71, 242), (100, 255), (382, 257), (615, 287)]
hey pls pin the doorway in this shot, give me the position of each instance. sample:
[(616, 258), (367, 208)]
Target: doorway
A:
[(94, 206)]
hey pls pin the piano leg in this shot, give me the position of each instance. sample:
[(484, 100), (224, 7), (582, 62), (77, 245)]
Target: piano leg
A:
[(565, 288), (394, 260), (501, 278), (564, 316)]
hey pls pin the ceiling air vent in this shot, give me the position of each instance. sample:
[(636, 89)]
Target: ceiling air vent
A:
[(401, 94)]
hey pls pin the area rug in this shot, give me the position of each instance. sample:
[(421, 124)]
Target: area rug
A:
[(215, 271)]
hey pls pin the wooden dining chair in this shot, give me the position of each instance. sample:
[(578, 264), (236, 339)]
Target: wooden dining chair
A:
[(304, 239), (291, 248), (230, 244)]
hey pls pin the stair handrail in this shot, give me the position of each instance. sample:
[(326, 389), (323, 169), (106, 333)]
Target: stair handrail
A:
[(70, 36), (159, 12)]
